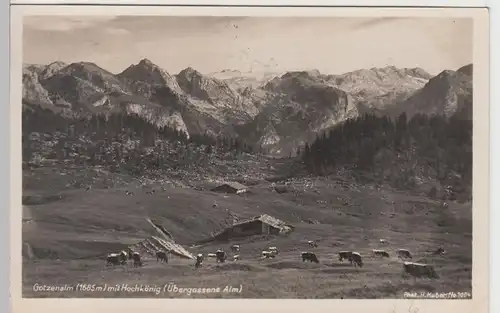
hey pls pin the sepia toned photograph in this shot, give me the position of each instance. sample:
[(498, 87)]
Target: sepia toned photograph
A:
[(248, 157)]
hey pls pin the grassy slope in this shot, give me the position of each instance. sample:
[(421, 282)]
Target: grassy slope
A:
[(71, 236)]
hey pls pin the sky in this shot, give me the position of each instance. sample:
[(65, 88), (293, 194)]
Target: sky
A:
[(332, 45)]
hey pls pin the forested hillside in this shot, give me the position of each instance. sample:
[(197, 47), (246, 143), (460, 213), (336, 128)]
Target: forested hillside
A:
[(405, 153)]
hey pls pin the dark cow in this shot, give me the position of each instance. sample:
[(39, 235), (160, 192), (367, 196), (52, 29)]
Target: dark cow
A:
[(439, 251), (221, 256), (381, 253), (344, 255), (268, 254), (137, 259), (356, 259), (130, 253), (113, 259), (123, 257), (312, 243), (309, 256), (419, 270), (199, 261), (161, 256), (235, 248), (404, 254)]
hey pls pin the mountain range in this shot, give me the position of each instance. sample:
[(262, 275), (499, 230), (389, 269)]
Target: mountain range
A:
[(278, 111)]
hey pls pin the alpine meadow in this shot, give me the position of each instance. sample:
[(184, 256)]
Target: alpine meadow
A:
[(246, 157)]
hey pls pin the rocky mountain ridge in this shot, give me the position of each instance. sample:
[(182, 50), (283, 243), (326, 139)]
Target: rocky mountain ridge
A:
[(277, 111)]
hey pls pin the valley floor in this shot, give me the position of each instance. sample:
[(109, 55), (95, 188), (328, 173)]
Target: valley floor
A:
[(69, 232)]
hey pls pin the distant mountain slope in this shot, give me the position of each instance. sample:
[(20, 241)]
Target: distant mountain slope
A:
[(300, 107), (33, 92), (240, 80), (378, 88), (148, 73), (445, 94), (85, 87), (279, 112), (215, 92), (466, 69)]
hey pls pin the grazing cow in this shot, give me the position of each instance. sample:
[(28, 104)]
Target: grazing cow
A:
[(419, 270), (268, 255), (356, 259), (130, 253), (439, 251), (312, 244), (123, 257), (381, 253), (211, 255), (309, 256), (161, 256), (113, 259), (128, 193), (235, 248), (383, 241), (273, 250), (236, 257), (344, 255), (221, 256), (137, 259), (404, 254), (199, 260)]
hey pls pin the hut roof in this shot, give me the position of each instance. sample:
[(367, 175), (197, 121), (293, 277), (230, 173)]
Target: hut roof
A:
[(264, 218)]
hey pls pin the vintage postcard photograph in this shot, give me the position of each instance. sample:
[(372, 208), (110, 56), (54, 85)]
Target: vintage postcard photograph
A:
[(251, 153)]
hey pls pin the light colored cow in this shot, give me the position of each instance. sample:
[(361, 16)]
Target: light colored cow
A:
[(419, 270), (273, 250)]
